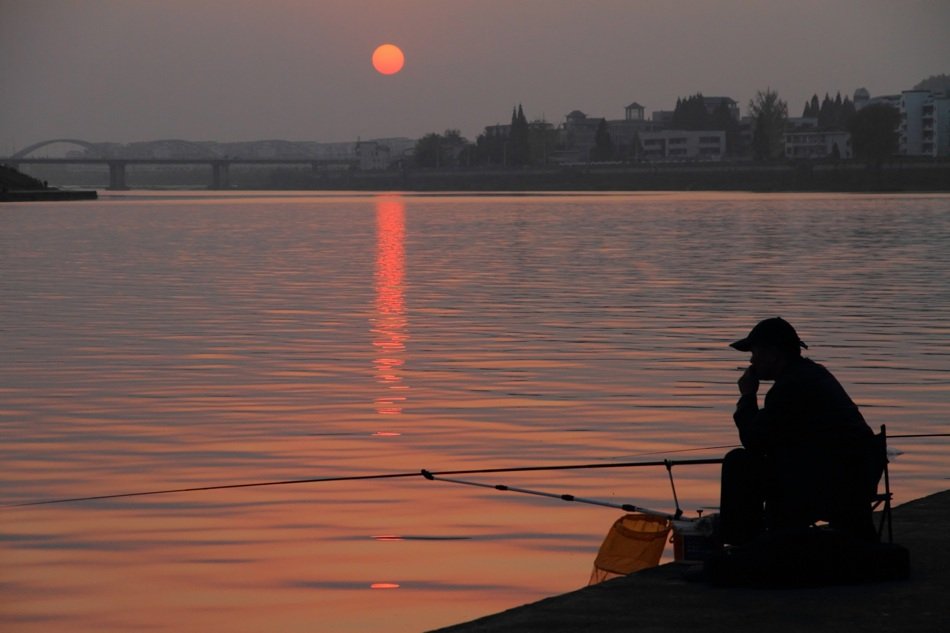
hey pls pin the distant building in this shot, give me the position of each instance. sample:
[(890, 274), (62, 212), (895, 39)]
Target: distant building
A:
[(714, 103), (498, 132), (676, 145), (577, 137), (579, 133), (861, 98), (892, 100), (625, 133), (925, 123), (924, 128), (633, 112), (662, 118), (373, 156), (804, 140), (581, 129)]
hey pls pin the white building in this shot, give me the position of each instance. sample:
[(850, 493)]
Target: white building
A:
[(805, 141), (373, 156), (925, 124), (675, 145)]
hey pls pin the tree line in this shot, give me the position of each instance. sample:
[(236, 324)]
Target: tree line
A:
[(830, 113), (873, 130)]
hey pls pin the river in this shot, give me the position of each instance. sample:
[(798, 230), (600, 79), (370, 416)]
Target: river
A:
[(153, 341)]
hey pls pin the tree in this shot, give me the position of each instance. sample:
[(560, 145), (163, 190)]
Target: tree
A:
[(935, 83), (826, 116), (832, 114), (844, 114), (428, 150), (691, 114), (636, 147), (603, 146), (542, 140), (440, 150), (519, 150), (722, 119), (769, 114), (874, 132)]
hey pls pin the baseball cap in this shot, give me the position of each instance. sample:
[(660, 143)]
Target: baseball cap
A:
[(775, 331)]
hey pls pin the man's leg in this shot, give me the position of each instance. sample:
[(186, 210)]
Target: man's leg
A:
[(741, 511)]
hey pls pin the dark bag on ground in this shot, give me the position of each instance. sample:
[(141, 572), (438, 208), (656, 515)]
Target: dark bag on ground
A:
[(807, 558)]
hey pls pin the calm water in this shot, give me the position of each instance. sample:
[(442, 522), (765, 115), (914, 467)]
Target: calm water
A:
[(165, 341)]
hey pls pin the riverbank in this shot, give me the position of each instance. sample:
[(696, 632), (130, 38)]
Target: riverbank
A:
[(47, 195), (898, 176), (660, 600), (907, 175), (16, 186)]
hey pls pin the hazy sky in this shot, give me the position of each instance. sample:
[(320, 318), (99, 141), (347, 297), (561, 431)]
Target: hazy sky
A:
[(226, 70)]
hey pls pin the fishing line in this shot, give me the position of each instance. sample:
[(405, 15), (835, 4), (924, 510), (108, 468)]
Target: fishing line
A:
[(628, 507), (259, 484), (205, 488), (679, 450)]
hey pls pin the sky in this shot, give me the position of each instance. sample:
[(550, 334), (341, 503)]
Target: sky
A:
[(300, 70)]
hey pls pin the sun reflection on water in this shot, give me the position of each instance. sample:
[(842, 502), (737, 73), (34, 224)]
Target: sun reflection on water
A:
[(390, 325)]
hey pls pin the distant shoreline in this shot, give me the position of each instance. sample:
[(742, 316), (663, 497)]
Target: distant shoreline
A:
[(844, 177), (47, 195), (899, 176)]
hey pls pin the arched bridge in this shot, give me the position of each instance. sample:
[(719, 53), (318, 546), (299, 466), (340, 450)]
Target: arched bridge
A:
[(199, 156), (26, 151)]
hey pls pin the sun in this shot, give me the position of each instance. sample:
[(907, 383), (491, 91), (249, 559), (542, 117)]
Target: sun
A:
[(388, 59)]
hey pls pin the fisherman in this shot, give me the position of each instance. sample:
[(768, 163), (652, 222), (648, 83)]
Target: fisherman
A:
[(805, 455)]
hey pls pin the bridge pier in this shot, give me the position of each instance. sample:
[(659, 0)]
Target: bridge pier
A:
[(117, 175), (220, 177)]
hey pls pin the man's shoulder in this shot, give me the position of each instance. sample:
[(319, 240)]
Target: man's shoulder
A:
[(805, 368), (806, 373)]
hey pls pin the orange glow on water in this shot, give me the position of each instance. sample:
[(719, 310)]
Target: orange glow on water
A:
[(318, 333), (390, 324)]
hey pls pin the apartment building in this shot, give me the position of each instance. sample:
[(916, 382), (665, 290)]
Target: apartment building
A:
[(925, 123), (683, 145)]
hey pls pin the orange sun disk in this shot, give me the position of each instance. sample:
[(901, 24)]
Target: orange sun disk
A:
[(388, 59)]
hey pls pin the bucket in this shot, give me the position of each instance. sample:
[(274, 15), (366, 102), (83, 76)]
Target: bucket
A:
[(695, 540)]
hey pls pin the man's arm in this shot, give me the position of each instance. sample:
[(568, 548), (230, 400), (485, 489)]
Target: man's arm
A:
[(751, 433)]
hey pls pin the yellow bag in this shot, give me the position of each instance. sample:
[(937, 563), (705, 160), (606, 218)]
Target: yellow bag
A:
[(634, 542)]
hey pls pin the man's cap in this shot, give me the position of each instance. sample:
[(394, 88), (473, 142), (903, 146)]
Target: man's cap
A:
[(775, 331)]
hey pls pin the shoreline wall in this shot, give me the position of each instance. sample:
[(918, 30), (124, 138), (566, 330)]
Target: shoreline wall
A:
[(907, 175), (843, 177)]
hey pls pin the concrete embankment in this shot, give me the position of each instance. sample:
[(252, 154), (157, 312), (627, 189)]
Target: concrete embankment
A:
[(906, 176), (661, 600), (46, 195)]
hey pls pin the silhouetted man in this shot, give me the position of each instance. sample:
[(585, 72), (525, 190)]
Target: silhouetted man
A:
[(805, 450)]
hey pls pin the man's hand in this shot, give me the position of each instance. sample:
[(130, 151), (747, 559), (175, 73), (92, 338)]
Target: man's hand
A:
[(748, 383)]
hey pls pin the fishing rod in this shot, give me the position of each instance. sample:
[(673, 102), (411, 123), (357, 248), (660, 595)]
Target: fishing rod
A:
[(288, 482), (259, 484), (628, 507)]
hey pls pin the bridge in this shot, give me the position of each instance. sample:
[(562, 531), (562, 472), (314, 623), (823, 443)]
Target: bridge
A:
[(220, 166), (220, 178)]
